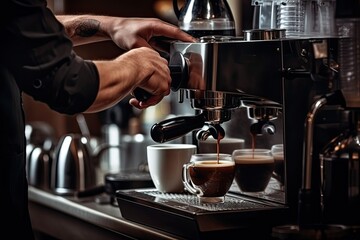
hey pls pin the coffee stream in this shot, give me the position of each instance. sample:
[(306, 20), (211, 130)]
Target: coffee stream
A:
[(253, 143), (218, 148)]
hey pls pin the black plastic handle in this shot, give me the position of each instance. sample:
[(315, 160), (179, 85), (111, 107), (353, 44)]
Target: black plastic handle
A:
[(170, 129)]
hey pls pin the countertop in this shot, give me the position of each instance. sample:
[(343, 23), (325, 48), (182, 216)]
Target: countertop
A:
[(106, 217), (68, 217)]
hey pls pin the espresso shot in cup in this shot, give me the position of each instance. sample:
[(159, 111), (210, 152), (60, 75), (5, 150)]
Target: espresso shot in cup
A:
[(209, 176), (253, 169)]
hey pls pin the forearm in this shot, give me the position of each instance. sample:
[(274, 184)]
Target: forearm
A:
[(84, 29), (114, 85)]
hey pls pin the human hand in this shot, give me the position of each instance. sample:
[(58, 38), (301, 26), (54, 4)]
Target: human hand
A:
[(129, 33), (138, 68), (154, 74)]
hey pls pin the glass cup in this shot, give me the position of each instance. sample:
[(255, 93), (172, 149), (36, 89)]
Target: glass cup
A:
[(253, 169), (209, 176), (277, 151)]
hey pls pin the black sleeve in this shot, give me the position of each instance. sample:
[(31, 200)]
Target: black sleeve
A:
[(40, 56)]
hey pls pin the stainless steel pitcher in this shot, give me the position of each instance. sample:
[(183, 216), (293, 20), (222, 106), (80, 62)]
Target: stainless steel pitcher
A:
[(74, 162), (341, 176), (39, 162), (73, 168)]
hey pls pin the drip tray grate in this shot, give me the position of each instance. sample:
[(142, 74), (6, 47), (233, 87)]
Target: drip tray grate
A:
[(188, 201), (184, 215)]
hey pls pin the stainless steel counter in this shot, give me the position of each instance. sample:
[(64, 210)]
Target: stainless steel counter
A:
[(68, 217), (73, 218)]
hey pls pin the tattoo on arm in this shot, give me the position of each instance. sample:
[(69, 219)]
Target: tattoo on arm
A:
[(87, 28)]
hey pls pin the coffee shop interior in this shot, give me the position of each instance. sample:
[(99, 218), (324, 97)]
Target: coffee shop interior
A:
[(275, 75)]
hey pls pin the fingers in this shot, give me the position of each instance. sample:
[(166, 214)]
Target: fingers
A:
[(171, 31), (152, 75), (159, 81), (132, 33), (134, 102), (142, 105)]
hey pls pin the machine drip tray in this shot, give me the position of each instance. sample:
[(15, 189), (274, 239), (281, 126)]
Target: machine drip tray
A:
[(185, 216)]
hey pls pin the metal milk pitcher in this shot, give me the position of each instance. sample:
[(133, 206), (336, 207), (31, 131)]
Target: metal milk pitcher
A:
[(73, 168)]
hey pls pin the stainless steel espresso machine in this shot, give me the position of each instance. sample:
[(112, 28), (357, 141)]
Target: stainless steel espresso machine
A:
[(307, 77), (273, 76)]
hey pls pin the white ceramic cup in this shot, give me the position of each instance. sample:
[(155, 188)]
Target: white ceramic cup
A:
[(165, 163), (227, 145)]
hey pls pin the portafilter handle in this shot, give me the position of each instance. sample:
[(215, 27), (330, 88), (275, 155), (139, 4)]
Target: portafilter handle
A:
[(173, 128), (179, 76), (170, 129)]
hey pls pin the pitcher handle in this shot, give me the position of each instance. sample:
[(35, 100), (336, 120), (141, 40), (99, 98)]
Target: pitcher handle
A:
[(99, 150)]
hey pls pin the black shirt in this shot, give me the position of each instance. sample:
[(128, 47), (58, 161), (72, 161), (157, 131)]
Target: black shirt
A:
[(36, 58)]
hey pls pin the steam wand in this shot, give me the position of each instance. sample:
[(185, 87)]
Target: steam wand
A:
[(309, 224), (307, 196)]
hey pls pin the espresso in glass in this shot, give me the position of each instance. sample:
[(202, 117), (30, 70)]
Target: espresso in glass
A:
[(211, 177), (253, 169), (208, 177)]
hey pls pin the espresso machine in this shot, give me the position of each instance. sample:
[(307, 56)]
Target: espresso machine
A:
[(299, 76), (271, 78), (303, 77)]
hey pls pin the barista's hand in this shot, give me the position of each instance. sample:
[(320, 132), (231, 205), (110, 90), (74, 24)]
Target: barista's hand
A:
[(141, 67), (138, 67), (127, 33)]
